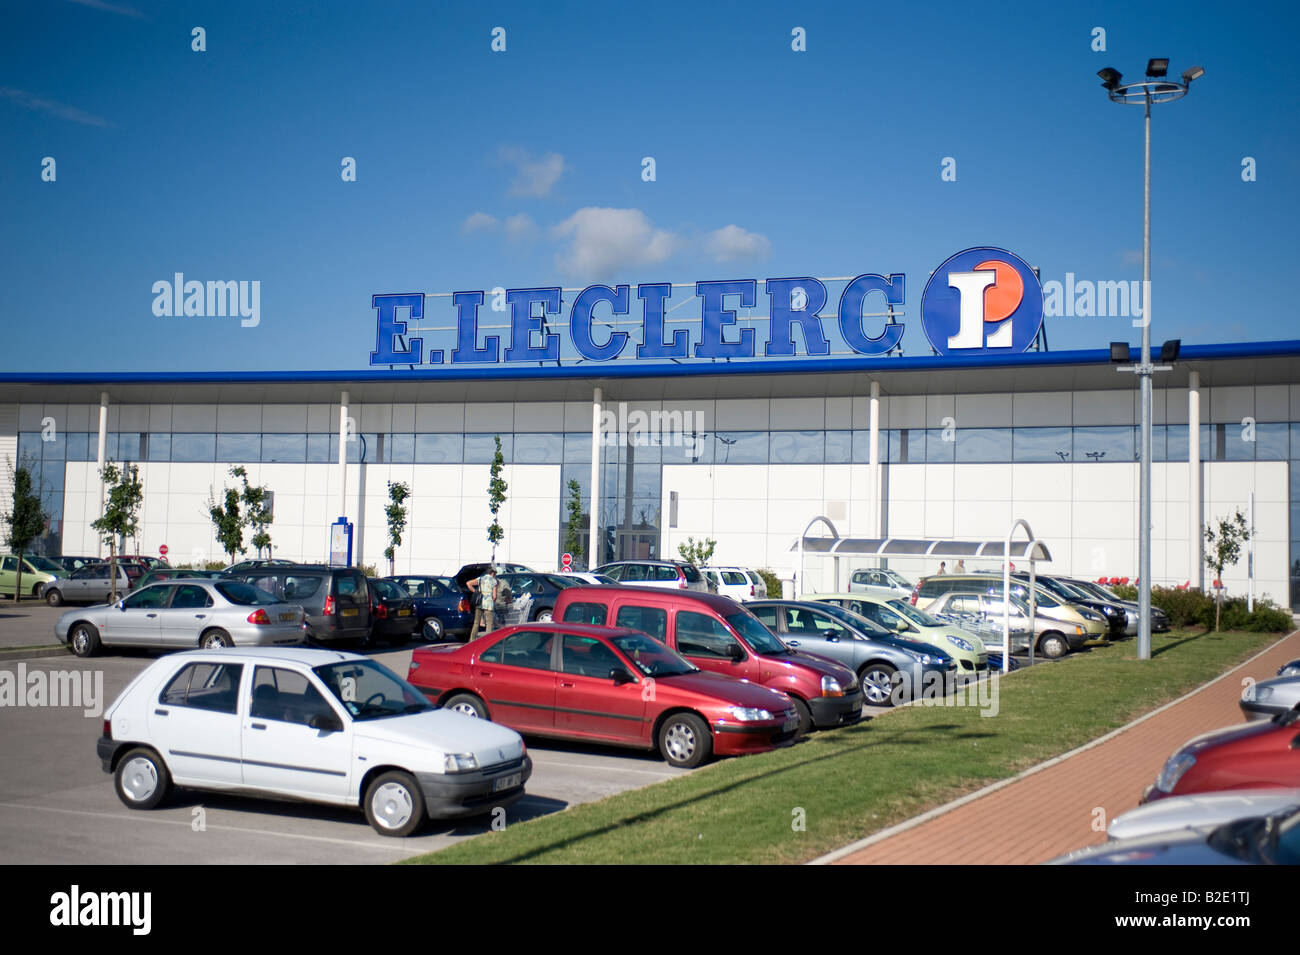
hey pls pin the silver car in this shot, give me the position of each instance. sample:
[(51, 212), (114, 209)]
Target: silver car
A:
[(1267, 698), (185, 613), (89, 584)]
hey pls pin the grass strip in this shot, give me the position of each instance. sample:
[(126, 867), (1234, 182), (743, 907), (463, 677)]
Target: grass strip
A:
[(851, 782)]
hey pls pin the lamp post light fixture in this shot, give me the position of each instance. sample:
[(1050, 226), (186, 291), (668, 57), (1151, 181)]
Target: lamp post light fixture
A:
[(1155, 88)]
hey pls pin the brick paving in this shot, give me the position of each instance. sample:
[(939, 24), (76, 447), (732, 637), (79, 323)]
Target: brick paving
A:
[(1051, 812)]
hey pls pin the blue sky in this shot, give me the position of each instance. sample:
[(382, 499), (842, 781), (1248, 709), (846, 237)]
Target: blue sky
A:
[(523, 168)]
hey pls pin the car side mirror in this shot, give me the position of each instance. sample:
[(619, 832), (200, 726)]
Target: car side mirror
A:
[(735, 653), (326, 722), (620, 676)]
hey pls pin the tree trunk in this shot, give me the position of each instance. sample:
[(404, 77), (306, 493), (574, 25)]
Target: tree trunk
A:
[(112, 570), (18, 585), (1218, 608)]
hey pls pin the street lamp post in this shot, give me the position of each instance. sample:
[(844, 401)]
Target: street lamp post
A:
[(1155, 88)]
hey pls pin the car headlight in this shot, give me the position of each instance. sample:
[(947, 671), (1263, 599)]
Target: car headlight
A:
[(1173, 771), (831, 687), (1262, 693), (926, 659), (460, 762), (749, 714), (961, 644)]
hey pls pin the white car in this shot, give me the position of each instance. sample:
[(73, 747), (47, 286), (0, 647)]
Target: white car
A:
[(880, 582), (1201, 810), (316, 725), (735, 582)]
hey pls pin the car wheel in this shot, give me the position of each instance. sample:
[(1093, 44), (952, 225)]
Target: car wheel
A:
[(84, 640), (142, 780), (394, 804), (434, 630), (467, 704), (216, 640), (1053, 646), (53, 598), (684, 740), (878, 684), (805, 718), (543, 615)]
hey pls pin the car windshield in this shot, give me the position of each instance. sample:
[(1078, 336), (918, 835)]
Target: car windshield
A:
[(388, 590), (919, 617), (651, 657), (855, 620), (245, 595), (897, 579), (45, 564), (561, 583), (370, 691), (760, 639)]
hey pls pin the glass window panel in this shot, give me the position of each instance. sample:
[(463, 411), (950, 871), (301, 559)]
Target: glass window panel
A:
[(798, 447), (29, 446), (439, 448), (694, 447), (1236, 447), (1114, 443), (1271, 442), (160, 446), (480, 448), (318, 448), (936, 448), (401, 448), (839, 447), (741, 447), (128, 446), (1041, 444), (579, 473), (288, 448), (79, 446), (1295, 442), (239, 448), (983, 444), (538, 449), (364, 447), (1176, 442), (577, 447), (50, 477), (194, 447), (56, 449)]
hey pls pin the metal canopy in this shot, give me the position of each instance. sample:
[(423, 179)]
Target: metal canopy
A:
[(897, 548)]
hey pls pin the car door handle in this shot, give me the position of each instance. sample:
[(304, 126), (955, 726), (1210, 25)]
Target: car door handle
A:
[(567, 686), (486, 673), (199, 616), (792, 643), (160, 712), (151, 615), (257, 726)]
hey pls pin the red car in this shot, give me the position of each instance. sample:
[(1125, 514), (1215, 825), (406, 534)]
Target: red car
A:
[(603, 685), (1246, 756)]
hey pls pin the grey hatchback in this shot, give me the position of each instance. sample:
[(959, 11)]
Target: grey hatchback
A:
[(336, 599)]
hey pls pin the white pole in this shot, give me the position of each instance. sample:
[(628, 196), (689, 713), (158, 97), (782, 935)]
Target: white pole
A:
[(1250, 557), (343, 454), (874, 459), (1194, 539), (99, 459), (593, 539)]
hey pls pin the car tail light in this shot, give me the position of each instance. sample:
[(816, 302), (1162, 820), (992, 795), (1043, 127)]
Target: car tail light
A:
[(681, 579), (329, 606), (916, 592), (108, 729), (463, 606), (751, 590), (379, 610), (259, 616)]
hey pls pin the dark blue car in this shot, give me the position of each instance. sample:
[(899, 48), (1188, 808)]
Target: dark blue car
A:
[(442, 607)]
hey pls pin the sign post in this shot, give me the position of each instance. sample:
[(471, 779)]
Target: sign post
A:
[(566, 563), (341, 543)]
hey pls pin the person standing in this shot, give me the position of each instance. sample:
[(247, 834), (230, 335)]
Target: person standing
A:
[(485, 588), (961, 566), (943, 567)]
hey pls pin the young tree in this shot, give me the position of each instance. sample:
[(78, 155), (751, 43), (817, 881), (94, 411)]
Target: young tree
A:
[(573, 536), (1223, 549), (398, 492), (697, 554), (26, 521), (257, 511), (121, 512), (496, 497), (229, 522)]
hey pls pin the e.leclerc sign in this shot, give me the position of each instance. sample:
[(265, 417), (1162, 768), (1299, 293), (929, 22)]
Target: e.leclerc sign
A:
[(980, 301)]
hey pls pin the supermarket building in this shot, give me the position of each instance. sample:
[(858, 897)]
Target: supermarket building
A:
[(739, 441)]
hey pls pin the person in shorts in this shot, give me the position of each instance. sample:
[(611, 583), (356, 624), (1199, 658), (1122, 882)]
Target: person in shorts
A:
[(485, 589)]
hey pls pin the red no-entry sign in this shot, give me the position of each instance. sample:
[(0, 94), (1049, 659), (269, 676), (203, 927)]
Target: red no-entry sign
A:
[(163, 550), (566, 561)]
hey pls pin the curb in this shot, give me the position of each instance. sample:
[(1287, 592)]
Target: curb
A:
[(34, 653), (948, 807)]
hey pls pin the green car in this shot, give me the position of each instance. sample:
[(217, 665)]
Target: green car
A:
[(898, 616), (36, 571)]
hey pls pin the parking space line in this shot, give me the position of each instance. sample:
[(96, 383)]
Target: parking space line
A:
[(186, 824)]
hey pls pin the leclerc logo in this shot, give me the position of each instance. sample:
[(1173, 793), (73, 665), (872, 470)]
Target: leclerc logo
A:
[(982, 302)]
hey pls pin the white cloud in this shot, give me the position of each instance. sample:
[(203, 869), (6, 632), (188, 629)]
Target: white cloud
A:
[(33, 102), (520, 227), (478, 222), (603, 241), (111, 8), (534, 175), (732, 243)]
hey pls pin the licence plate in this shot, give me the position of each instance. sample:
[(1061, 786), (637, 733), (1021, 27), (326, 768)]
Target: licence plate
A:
[(403, 613), (790, 724), (288, 616), (507, 782), (350, 613)]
